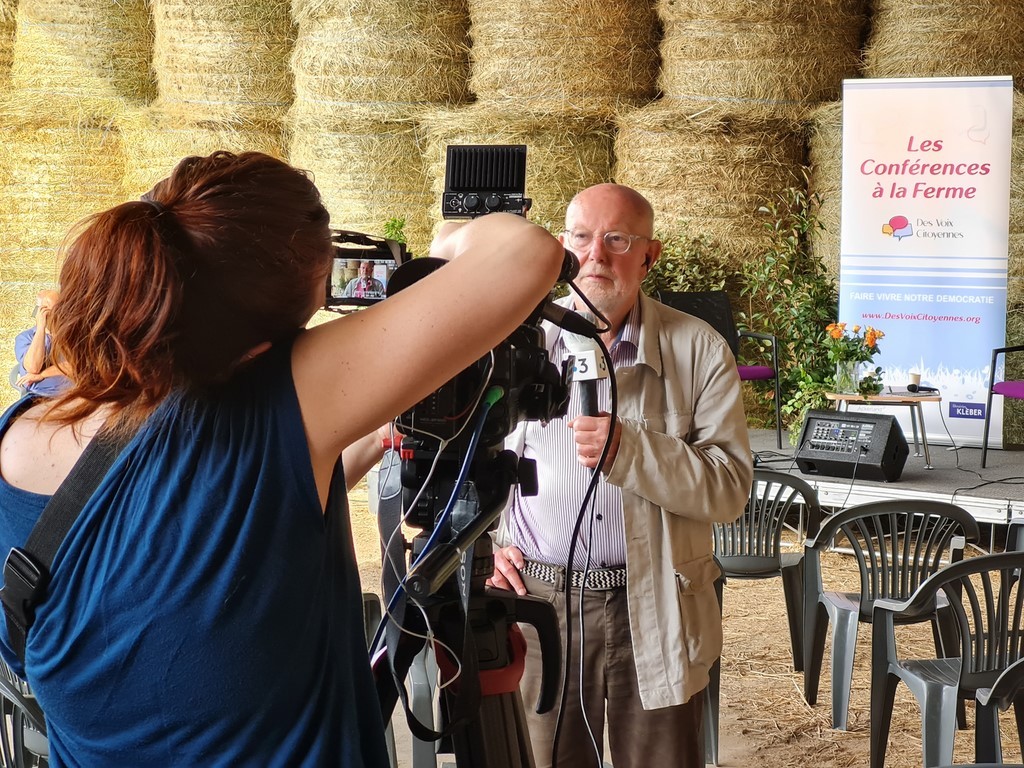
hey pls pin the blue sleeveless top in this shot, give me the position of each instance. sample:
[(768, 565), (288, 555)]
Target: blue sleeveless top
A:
[(199, 613)]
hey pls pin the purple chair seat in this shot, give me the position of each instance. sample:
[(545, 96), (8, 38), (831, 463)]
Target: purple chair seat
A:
[(1013, 389), (761, 373)]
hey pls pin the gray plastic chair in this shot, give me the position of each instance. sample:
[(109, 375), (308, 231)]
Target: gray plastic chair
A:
[(897, 545), (751, 547), (986, 598), (23, 742)]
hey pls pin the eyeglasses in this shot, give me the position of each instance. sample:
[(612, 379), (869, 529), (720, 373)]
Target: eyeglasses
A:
[(614, 242)]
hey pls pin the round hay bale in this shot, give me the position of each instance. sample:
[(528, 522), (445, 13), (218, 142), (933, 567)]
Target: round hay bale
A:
[(7, 26), (56, 174), (719, 50), (1015, 266), (224, 61), (565, 153), (393, 54), (706, 170), (94, 51), (826, 178), (368, 170), (155, 141), (587, 56), (929, 38)]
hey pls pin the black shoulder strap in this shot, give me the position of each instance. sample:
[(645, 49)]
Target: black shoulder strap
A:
[(27, 569)]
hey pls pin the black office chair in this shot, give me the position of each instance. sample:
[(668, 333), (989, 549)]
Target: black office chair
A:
[(1011, 389), (713, 308)]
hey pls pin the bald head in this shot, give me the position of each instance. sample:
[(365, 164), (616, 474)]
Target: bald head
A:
[(614, 197)]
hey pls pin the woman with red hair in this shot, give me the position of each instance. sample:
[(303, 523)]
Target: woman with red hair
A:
[(198, 612)]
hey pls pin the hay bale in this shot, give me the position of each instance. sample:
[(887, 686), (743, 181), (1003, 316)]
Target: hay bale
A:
[(55, 174), (91, 51), (368, 170), (565, 152), (826, 178), (391, 54), (225, 61), (747, 51), (706, 170), (7, 27), (932, 38), (1015, 266), (154, 141), (587, 56)]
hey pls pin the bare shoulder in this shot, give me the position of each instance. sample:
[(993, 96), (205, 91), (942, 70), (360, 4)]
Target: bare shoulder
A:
[(37, 455)]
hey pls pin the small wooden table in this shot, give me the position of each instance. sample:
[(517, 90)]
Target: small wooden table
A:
[(911, 399)]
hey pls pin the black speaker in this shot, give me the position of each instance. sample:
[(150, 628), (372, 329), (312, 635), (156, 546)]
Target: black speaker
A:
[(868, 446)]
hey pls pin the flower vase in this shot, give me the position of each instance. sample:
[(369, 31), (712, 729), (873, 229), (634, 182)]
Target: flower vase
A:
[(847, 377)]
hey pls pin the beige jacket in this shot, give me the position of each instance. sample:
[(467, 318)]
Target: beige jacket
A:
[(683, 463)]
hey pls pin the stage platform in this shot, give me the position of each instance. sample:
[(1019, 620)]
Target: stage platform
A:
[(993, 495)]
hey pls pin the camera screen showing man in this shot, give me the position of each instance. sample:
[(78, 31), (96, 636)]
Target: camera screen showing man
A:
[(365, 286)]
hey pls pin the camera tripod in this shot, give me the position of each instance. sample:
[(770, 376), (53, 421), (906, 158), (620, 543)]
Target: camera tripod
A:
[(482, 709)]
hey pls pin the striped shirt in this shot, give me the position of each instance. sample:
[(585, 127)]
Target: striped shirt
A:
[(542, 525)]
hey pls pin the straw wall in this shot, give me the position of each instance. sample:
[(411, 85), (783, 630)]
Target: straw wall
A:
[(1015, 268), (388, 55), (928, 38), (586, 56), (565, 153), (7, 26), (91, 53), (225, 61), (52, 174), (368, 170), (785, 53), (155, 141), (826, 162), (706, 170)]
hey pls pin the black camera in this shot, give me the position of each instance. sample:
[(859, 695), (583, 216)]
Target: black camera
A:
[(465, 421), (484, 179)]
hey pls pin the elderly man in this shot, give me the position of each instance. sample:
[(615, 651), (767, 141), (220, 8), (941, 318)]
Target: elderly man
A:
[(37, 373), (679, 461)]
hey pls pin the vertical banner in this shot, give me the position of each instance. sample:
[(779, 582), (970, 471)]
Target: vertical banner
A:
[(925, 227)]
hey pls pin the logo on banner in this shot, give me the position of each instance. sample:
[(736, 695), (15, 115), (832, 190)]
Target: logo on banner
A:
[(966, 411), (898, 227)]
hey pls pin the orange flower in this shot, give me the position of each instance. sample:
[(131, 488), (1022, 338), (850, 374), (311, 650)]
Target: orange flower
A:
[(860, 344)]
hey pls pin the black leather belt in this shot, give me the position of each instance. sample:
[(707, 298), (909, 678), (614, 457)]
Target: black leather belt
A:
[(597, 578)]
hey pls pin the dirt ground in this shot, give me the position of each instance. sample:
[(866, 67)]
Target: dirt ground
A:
[(765, 720)]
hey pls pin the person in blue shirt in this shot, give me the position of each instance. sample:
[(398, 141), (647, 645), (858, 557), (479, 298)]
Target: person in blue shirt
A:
[(38, 373), (205, 606)]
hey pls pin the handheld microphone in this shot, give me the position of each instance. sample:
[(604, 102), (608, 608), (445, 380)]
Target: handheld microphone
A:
[(589, 366), (920, 388)]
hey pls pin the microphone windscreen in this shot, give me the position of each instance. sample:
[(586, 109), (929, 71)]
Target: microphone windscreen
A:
[(578, 343)]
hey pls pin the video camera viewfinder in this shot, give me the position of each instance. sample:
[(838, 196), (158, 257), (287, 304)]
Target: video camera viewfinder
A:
[(482, 179), (361, 269)]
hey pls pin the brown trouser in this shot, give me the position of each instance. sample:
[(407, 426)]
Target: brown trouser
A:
[(638, 738)]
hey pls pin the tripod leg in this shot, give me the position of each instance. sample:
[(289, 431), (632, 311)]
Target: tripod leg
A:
[(498, 738)]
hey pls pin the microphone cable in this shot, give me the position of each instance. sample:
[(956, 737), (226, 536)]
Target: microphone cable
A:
[(567, 586)]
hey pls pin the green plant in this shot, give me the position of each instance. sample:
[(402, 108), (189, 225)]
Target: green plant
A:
[(870, 383), (394, 229), (807, 392), (787, 291), (689, 263)]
